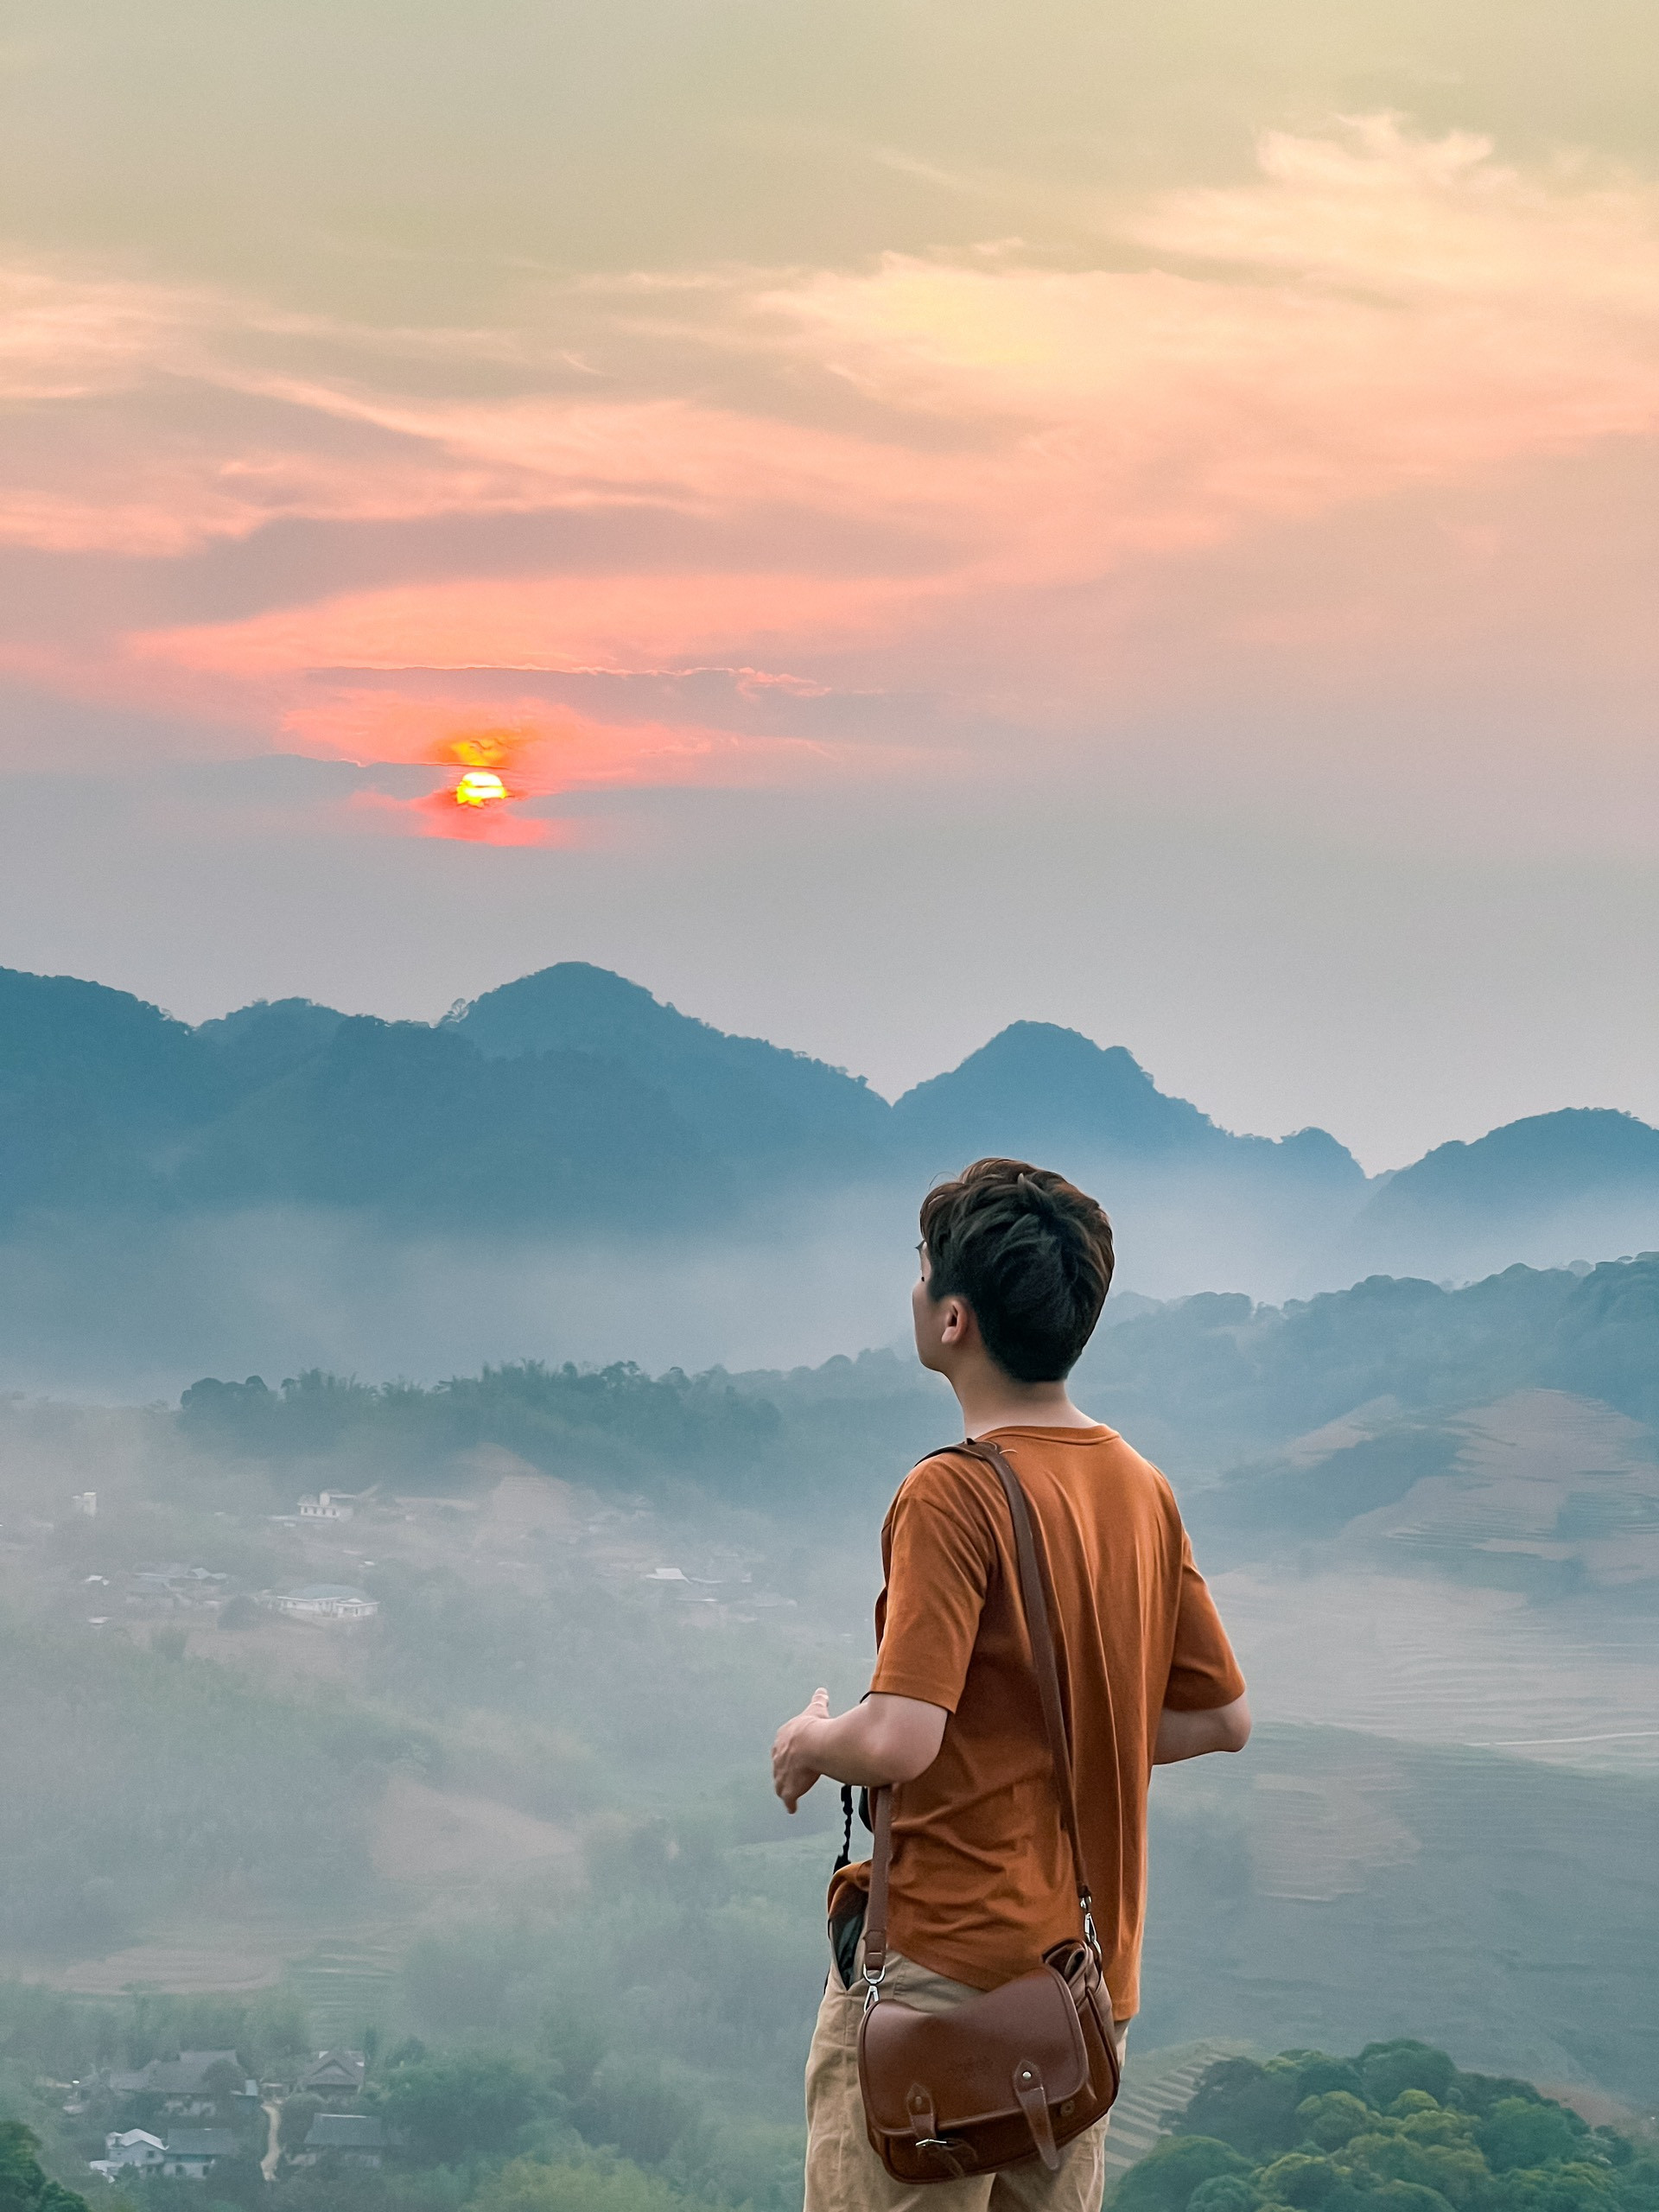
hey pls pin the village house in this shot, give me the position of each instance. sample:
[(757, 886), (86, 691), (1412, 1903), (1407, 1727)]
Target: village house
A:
[(328, 1601), (327, 1505), (333, 2074), (172, 1585), (182, 2082), (354, 2139), (189, 2152), (132, 2147)]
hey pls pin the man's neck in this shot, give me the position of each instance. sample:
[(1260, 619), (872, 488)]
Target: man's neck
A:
[(993, 1400)]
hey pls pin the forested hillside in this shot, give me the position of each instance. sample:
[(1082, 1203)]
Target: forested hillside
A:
[(572, 1103), (569, 1098), (1397, 2128), (567, 1168), (1208, 1384)]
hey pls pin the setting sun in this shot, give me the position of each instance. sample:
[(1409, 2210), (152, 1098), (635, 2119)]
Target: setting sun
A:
[(480, 787)]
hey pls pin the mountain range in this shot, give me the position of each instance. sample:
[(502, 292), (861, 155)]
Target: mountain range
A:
[(572, 1105)]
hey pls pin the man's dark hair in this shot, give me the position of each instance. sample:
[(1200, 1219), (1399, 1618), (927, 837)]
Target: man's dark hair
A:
[(1030, 1253)]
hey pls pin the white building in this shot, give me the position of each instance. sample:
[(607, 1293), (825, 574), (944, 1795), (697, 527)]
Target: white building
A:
[(327, 1505), (131, 2146), (328, 1601)]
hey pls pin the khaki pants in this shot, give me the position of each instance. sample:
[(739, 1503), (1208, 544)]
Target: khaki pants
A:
[(844, 2173)]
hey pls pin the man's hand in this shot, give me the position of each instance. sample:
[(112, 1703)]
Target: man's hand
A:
[(793, 1771), (884, 1739)]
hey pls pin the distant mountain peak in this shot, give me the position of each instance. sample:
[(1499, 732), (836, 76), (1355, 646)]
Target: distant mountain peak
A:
[(1036, 1086), (573, 1005), (733, 1091), (1028, 1045)]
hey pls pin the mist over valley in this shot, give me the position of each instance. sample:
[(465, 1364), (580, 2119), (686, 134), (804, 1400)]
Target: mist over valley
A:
[(566, 1168)]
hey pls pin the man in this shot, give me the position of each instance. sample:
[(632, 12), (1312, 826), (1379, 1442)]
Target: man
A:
[(1015, 1264)]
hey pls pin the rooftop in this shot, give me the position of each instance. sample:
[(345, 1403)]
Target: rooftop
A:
[(346, 2130)]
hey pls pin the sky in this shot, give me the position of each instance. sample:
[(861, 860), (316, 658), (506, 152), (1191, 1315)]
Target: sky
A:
[(923, 513)]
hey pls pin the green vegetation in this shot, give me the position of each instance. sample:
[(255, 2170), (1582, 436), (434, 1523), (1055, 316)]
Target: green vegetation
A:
[(620, 1426), (591, 2102), (817, 1440), (24, 2186), (1210, 1382), (603, 1110), (1399, 2128), (152, 1781), (1215, 1379)]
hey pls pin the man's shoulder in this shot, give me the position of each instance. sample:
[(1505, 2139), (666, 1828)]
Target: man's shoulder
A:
[(1140, 1478), (949, 1486), (954, 1478), (1105, 1467), (1134, 1465), (949, 1476)]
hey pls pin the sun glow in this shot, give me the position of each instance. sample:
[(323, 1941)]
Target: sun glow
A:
[(480, 787)]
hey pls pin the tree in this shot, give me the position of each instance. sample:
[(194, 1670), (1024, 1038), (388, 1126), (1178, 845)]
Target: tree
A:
[(1300, 2178), (1166, 2179), (634, 2110), (294, 2125), (1407, 2196), (1250, 2107), (590, 2185), (1334, 2118), (223, 2082), (1516, 2133), (1386, 2068), (1456, 2174), (1223, 2193), (1574, 2186), (24, 2184), (448, 2108)]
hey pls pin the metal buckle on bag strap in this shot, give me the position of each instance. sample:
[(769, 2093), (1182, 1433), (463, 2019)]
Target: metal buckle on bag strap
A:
[(925, 2121)]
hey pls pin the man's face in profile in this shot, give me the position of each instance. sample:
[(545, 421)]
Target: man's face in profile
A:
[(929, 1318)]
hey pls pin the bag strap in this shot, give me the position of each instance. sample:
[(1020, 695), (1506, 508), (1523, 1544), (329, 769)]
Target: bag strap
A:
[(1035, 1593)]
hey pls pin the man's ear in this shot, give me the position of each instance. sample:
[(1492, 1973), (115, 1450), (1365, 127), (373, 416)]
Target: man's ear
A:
[(957, 1325)]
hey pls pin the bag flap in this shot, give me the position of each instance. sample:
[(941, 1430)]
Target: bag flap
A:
[(965, 2058)]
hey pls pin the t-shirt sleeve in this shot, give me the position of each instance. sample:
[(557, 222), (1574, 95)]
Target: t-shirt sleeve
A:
[(1203, 1672), (938, 1568)]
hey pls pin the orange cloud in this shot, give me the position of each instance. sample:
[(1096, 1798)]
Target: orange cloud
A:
[(436, 814), (570, 622), (543, 751), (966, 475), (1372, 308)]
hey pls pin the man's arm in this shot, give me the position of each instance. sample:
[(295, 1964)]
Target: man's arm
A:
[(1192, 1735), (885, 1740)]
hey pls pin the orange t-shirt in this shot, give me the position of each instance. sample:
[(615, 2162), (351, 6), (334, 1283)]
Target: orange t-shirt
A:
[(982, 1882)]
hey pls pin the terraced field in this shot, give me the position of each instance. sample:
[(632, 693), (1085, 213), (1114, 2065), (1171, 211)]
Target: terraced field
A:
[(1155, 2088), (1435, 1660), (349, 1981)]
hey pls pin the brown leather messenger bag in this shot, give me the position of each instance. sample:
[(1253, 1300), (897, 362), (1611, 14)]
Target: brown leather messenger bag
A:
[(1015, 2074)]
